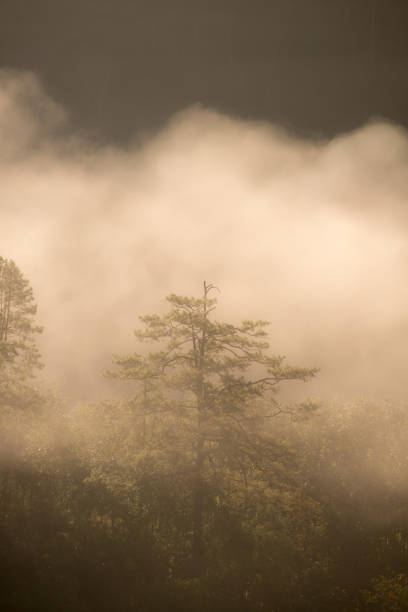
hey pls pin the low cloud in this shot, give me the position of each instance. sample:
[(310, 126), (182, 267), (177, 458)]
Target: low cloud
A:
[(311, 235)]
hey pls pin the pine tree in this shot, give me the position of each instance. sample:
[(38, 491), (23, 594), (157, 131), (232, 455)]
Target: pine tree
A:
[(209, 387), (19, 355)]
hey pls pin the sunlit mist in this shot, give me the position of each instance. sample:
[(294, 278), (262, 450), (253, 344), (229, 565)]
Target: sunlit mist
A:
[(308, 234)]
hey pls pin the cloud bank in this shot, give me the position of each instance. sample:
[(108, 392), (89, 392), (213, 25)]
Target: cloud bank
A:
[(311, 235)]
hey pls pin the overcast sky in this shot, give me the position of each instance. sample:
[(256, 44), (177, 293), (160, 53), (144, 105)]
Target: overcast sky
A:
[(122, 68), (147, 146)]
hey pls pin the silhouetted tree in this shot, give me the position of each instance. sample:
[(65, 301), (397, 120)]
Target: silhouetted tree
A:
[(213, 385)]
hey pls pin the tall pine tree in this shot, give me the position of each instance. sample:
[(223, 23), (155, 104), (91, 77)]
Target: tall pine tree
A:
[(206, 393)]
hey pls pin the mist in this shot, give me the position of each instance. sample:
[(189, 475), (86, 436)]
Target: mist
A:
[(308, 234), (194, 493)]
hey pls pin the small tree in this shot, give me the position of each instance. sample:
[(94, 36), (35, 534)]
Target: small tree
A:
[(19, 355), (215, 384)]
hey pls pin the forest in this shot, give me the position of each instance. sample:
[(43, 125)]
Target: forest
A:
[(198, 488)]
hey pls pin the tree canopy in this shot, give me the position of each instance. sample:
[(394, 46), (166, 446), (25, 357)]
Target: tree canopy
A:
[(200, 491)]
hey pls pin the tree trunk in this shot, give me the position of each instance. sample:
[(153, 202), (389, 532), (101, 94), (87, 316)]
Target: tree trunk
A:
[(198, 507), (198, 484)]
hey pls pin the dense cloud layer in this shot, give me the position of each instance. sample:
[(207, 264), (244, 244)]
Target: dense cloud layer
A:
[(310, 235)]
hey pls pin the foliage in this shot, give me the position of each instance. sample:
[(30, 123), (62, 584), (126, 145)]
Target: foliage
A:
[(201, 491), (387, 594), (19, 355), (355, 466), (213, 386)]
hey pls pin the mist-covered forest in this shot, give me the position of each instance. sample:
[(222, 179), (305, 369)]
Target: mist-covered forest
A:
[(197, 487), (203, 306)]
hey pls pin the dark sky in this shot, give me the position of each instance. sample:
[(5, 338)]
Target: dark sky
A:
[(123, 67)]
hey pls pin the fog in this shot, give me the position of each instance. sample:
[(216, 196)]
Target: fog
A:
[(308, 234)]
